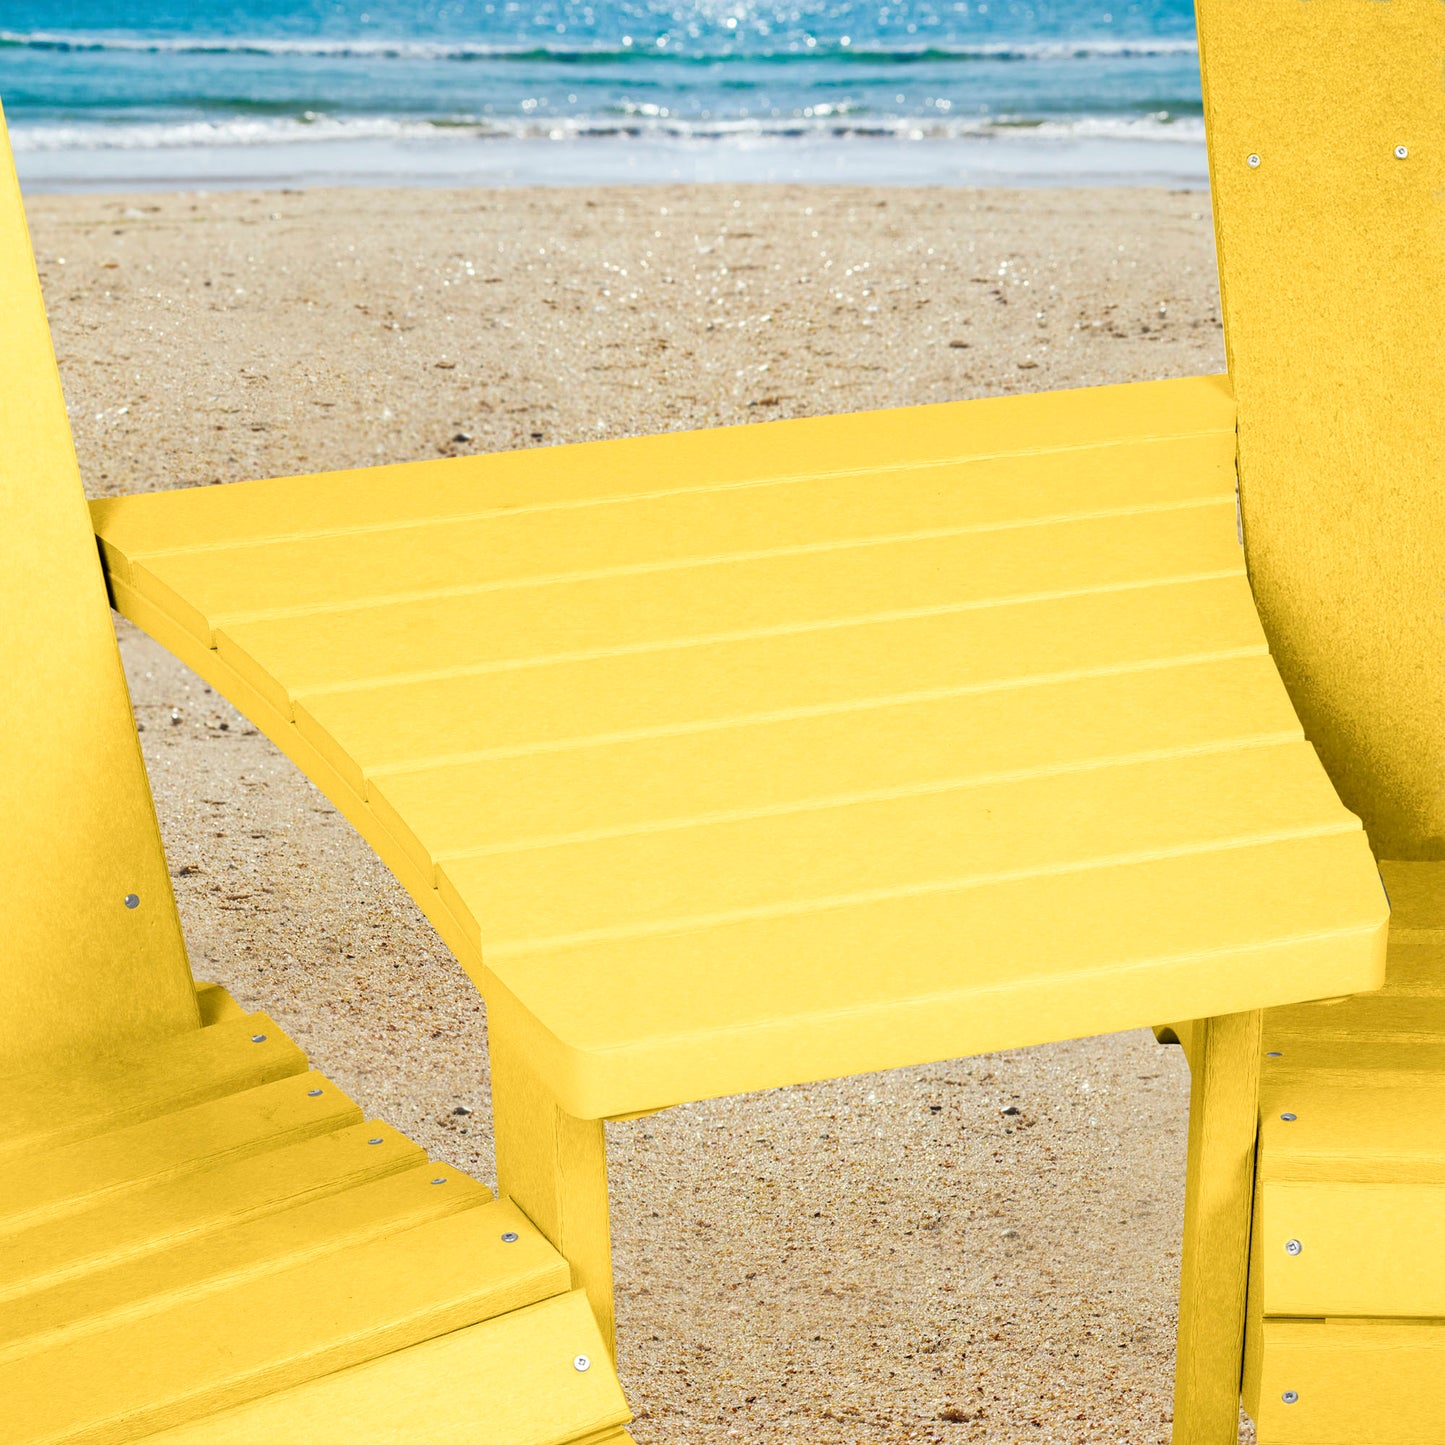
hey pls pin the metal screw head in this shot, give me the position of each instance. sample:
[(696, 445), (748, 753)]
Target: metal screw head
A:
[(132, 900), (581, 1364), (1289, 1118), (441, 1180), (1274, 1054), (373, 1141), (313, 1093), (1290, 1397), (1401, 152), (258, 1038), (1293, 1246), (1253, 160), (510, 1237)]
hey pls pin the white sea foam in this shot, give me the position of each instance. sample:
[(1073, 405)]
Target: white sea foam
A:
[(247, 131)]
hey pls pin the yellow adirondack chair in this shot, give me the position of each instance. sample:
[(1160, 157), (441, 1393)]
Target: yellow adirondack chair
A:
[(200, 1239), (742, 758)]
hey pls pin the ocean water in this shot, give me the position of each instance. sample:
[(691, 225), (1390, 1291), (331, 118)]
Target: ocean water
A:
[(98, 92)]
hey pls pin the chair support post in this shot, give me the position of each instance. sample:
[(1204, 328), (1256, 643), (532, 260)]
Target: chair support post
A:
[(553, 1166), (1219, 1196)]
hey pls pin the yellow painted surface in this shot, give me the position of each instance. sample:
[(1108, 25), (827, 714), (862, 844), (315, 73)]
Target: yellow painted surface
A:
[(1358, 1381), (495, 626), (834, 856), (99, 1172), (188, 1219), (1332, 263), (1352, 1126), (1223, 1119), (1050, 956), (42, 1111), (705, 753), (268, 1333), (203, 1234), (197, 1262), (862, 660), (1351, 1199), (510, 1381), (706, 528), (553, 1166), (791, 764), (215, 1004), (1365, 1247), (149, 1219), (79, 830)]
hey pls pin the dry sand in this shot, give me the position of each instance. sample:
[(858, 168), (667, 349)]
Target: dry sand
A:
[(882, 1259)]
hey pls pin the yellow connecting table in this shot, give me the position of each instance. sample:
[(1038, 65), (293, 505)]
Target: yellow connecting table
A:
[(736, 759)]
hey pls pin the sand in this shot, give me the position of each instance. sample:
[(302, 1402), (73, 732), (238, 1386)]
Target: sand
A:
[(881, 1259)]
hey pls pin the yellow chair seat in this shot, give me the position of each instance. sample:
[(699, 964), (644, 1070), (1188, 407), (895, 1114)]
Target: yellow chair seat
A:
[(733, 759), (203, 1241)]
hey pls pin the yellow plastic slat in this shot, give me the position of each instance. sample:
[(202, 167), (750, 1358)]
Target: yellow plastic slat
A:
[(372, 728), (100, 1171), (1401, 1019), (149, 1219), (643, 885), (369, 642), (626, 1024), (280, 1330), (83, 972), (804, 515), (981, 736), (675, 462), (44, 1112), (1332, 269), (1374, 1247), (218, 1259), (1379, 1381), (511, 1381)]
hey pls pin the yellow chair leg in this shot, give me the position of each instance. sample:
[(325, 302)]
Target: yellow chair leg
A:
[(553, 1166), (1219, 1194)]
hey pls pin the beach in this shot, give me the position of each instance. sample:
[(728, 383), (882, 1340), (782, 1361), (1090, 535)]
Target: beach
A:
[(977, 1250)]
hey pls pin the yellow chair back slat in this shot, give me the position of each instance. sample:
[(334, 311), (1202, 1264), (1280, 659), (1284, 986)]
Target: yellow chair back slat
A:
[(1328, 172), (91, 958)]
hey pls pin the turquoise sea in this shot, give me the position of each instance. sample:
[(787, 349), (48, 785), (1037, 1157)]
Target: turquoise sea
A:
[(101, 92)]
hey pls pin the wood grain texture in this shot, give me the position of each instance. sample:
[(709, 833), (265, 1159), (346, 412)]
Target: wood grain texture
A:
[(1332, 270)]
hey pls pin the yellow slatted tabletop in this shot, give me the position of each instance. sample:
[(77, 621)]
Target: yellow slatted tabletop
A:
[(733, 759)]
